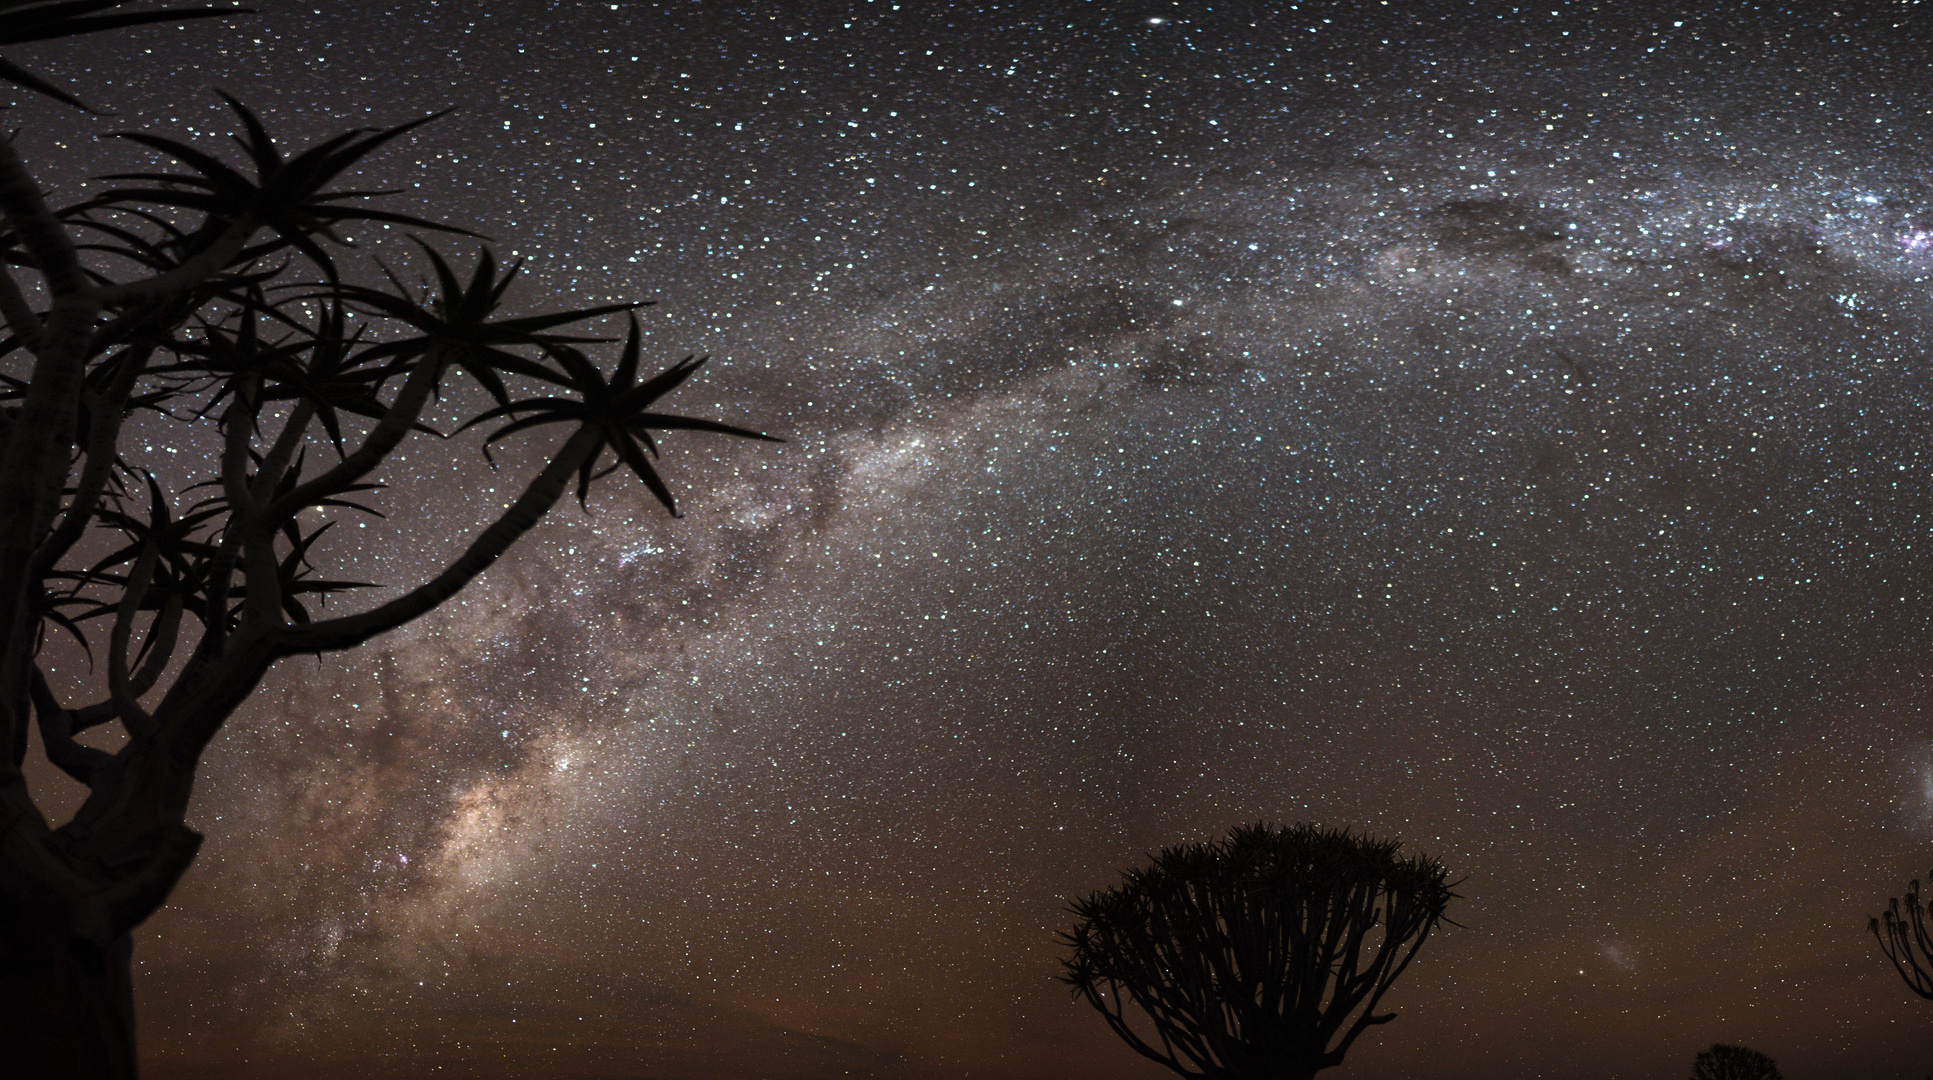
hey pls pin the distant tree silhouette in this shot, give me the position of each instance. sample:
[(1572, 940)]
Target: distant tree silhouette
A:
[(1258, 957), (261, 393), (1905, 940), (1723, 1062)]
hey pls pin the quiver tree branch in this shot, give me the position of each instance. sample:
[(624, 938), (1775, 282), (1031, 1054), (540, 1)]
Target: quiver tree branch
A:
[(106, 410), (1906, 940), (205, 264), (275, 466), (47, 20), (47, 243), (389, 432), (39, 440), (120, 687), (77, 760), (19, 315), (538, 497)]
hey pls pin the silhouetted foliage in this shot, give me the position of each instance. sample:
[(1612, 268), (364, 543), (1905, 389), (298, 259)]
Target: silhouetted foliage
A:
[(1723, 1062), (204, 299), (1905, 941), (22, 21), (1257, 957)]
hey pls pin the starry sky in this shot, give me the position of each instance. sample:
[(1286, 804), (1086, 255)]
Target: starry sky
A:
[(1499, 427)]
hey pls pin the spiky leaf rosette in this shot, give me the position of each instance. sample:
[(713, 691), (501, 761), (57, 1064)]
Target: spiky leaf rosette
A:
[(618, 408)]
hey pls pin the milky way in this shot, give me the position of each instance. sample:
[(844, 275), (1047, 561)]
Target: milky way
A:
[(1499, 431)]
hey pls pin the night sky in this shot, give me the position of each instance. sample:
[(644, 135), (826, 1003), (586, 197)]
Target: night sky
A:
[(1502, 428)]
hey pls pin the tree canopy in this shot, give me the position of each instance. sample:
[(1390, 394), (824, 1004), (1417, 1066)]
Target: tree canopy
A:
[(208, 305), (1261, 955)]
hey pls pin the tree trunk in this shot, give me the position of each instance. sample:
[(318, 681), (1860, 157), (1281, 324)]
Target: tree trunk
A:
[(67, 908), (66, 1004)]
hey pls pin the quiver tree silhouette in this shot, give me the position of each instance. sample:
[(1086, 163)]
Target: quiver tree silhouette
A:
[(1723, 1062), (1905, 941), (201, 307), (1258, 957)]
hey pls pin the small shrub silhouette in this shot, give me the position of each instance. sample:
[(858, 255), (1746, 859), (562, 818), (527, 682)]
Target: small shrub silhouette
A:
[(1724, 1062)]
